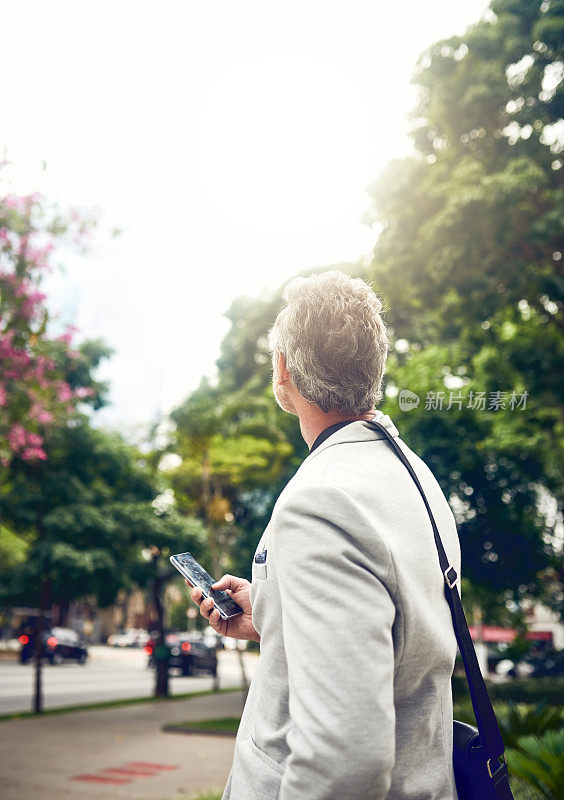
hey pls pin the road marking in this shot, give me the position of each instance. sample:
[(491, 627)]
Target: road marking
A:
[(144, 773), (126, 773), (99, 779)]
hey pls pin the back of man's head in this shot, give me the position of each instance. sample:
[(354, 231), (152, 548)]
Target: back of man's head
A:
[(333, 341)]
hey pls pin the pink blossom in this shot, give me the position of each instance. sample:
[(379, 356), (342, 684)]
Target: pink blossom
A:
[(32, 453), (17, 437), (22, 288), (3, 396), (84, 391), (39, 413), (36, 407), (68, 334), (38, 255), (24, 239), (37, 297), (64, 392)]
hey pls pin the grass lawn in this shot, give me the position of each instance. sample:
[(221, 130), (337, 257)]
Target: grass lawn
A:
[(221, 725)]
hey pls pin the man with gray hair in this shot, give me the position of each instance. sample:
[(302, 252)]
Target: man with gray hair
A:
[(351, 698)]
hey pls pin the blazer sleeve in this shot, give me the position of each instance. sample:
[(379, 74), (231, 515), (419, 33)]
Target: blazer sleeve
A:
[(337, 617)]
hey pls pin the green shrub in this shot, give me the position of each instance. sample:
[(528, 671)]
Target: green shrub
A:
[(517, 690), (529, 690), (522, 790), (539, 763), (517, 719)]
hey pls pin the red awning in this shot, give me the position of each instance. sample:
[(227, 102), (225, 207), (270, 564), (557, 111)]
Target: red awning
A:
[(491, 633)]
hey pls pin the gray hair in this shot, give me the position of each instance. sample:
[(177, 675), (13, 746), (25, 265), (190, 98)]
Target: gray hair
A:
[(333, 341)]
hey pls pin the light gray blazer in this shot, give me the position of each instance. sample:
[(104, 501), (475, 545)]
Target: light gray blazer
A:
[(351, 698)]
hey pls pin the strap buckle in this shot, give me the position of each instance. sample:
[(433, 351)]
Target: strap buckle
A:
[(451, 582), (502, 763)]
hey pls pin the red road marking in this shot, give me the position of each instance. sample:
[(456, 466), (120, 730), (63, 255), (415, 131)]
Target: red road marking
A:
[(100, 779), (141, 773), (134, 769)]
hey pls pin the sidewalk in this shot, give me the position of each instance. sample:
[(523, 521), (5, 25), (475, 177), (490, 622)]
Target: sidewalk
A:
[(116, 752)]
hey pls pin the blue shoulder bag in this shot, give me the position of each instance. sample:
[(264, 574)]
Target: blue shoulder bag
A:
[(480, 768)]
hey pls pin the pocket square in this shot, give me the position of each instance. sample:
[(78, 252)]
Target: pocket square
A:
[(260, 558)]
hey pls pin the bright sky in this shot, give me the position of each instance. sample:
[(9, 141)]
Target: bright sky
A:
[(232, 141)]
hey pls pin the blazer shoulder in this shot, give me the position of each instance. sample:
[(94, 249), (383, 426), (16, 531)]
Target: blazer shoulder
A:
[(326, 512)]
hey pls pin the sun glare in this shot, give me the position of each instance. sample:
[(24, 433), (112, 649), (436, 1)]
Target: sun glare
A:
[(282, 143)]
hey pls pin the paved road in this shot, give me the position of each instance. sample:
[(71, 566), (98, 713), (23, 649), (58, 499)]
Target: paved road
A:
[(110, 674), (116, 753)]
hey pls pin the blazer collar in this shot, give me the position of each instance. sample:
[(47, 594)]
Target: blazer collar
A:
[(356, 431)]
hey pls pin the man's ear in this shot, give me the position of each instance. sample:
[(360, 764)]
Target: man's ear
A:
[(283, 374)]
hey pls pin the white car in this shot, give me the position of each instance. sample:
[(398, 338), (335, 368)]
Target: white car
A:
[(233, 644), (133, 637), (505, 666)]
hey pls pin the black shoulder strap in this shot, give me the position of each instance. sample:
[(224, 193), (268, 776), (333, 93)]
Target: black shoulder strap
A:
[(490, 735)]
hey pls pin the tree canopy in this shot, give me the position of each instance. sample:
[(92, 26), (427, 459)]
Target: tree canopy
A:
[(469, 259)]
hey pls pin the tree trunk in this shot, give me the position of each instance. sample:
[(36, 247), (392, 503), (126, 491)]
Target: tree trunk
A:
[(63, 613), (212, 539), (123, 605), (38, 645), (161, 650)]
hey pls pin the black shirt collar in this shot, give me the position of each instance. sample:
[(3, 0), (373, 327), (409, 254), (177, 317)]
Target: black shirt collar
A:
[(328, 431)]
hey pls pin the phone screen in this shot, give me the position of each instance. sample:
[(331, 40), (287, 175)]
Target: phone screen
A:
[(187, 565)]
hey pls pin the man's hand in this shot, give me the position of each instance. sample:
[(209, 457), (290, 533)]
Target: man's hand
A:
[(240, 627)]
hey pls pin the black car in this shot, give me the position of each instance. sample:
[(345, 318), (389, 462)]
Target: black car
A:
[(58, 644), (549, 664), (187, 652)]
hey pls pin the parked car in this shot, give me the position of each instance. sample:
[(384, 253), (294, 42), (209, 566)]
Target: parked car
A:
[(187, 652), (133, 637), (233, 644), (58, 644), (549, 664), (541, 665)]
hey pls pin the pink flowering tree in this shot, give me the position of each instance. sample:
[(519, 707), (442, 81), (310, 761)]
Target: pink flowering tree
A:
[(44, 380), (41, 380)]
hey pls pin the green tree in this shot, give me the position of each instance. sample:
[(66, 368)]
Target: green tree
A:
[(226, 445), (469, 259), (85, 515), (229, 445)]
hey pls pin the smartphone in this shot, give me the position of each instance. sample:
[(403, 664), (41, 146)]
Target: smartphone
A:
[(187, 565)]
